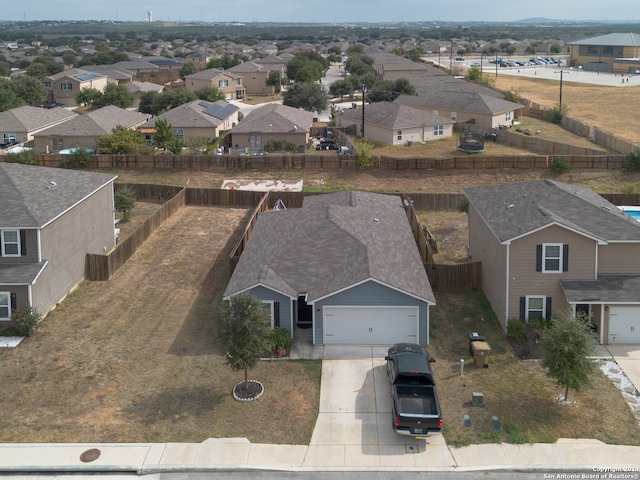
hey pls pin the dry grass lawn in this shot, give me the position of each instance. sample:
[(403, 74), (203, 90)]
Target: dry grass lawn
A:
[(612, 109), (517, 392)]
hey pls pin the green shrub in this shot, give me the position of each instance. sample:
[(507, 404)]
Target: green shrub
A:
[(517, 329), (363, 159), (633, 162), (555, 114), (560, 165), (463, 206), (280, 341), (513, 97), (26, 157), (79, 158), (25, 321)]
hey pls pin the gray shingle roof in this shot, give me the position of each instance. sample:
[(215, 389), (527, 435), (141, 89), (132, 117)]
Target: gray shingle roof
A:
[(72, 72), (395, 116), (612, 39), (333, 242), (212, 73), (20, 274), (606, 289), (197, 113), (28, 203), (459, 101), (517, 209), (275, 118), (28, 118), (97, 122)]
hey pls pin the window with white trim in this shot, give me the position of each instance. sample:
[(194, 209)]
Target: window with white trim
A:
[(507, 116), (438, 130), (179, 132), (454, 116), (5, 306), (268, 307), (535, 307), (223, 83), (66, 86), (8, 138), (399, 135), (552, 257), (11, 243)]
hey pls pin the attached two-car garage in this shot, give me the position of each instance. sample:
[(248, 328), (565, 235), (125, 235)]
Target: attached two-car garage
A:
[(370, 325)]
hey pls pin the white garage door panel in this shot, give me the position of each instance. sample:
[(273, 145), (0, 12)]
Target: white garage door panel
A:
[(624, 323), (370, 325)]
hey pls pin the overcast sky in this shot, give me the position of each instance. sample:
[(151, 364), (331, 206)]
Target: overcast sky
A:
[(322, 10)]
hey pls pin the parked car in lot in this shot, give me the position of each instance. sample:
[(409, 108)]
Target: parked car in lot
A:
[(416, 408)]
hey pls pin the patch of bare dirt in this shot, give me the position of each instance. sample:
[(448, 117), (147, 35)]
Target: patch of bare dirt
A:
[(135, 359)]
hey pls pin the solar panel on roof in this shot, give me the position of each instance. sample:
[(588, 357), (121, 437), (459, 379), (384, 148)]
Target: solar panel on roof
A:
[(220, 112), (83, 77)]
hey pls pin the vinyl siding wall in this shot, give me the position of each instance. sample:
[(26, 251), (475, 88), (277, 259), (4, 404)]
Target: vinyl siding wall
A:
[(370, 294), (86, 228), (286, 314), (619, 258), (484, 247), (525, 280)]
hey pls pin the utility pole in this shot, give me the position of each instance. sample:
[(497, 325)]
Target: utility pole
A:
[(364, 90), (560, 103)]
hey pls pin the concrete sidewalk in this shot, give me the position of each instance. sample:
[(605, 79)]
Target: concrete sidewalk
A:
[(232, 453), (353, 432)]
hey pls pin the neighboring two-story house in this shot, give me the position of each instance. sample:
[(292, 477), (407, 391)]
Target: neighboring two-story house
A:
[(49, 220), (227, 82), (254, 77), (546, 246), (63, 87)]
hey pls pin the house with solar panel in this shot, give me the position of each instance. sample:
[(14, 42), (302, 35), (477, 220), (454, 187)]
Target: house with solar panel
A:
[(198, 118), (63, 87)]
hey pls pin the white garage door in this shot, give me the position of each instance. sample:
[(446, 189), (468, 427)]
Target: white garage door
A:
[(624, 323), (363, 325)]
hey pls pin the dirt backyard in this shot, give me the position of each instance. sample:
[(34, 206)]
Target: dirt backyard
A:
[(135, 359)]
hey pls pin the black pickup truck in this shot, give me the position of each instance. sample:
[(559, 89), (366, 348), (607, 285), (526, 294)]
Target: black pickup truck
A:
[(416, 409)]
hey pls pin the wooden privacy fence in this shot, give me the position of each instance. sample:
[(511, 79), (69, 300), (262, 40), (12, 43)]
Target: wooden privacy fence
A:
[(598, 160), (102, 267), (442, 277), (463, 276)]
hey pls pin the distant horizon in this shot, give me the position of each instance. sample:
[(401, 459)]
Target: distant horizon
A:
[(332, 11)]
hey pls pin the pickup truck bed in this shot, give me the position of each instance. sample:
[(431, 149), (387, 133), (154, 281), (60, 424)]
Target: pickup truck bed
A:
[(418, 400)]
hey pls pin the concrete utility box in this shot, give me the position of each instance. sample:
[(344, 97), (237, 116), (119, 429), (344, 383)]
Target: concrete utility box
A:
[(481, 352), (477, 399)]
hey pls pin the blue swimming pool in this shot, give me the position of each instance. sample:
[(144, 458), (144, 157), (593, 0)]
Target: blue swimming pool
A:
[(633, 212)]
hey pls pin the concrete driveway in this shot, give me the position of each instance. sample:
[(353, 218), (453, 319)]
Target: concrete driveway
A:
[(628, 357), (354, 422)]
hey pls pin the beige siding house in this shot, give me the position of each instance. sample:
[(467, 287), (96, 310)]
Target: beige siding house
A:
[(51, 220), (86, 129), (460, 106), (254, 77), (395, 124), (227, 82), (198, 119), (64, 86), (19, 125), (547, 246), (272, 123)]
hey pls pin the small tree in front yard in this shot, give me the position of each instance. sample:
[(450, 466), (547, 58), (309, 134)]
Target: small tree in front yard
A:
[(244, 330), (567, 343), (124, 200)]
